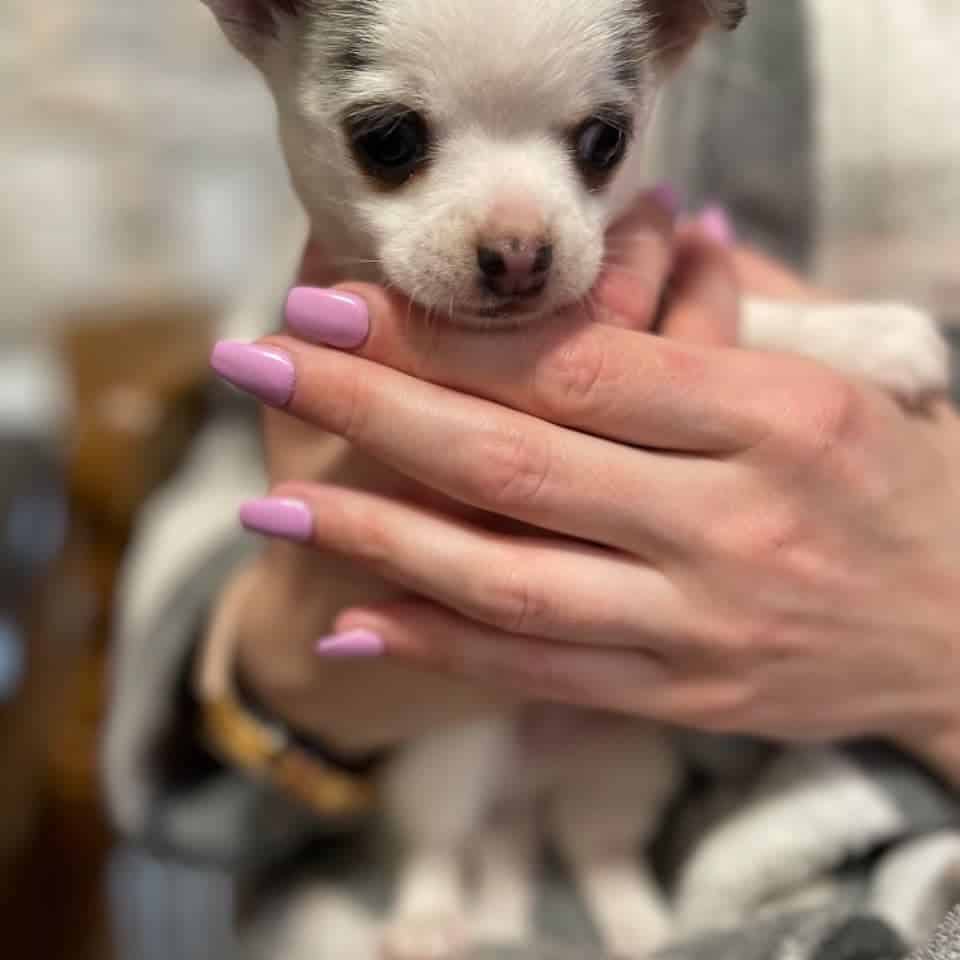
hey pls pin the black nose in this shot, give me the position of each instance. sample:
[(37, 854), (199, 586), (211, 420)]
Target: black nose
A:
[(513, 267)]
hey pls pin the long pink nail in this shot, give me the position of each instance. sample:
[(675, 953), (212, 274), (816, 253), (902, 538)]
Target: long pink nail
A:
[(716, 223), (265, 372), (278, 517), (353, 645), (329, 317)]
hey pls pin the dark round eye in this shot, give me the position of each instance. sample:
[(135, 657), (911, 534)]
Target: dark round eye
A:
[(600, 145), (390, 146)]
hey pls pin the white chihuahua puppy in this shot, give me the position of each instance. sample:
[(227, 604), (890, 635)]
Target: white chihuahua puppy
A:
[(473, 154)]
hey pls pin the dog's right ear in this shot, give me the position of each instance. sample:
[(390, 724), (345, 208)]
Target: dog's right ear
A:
[(251, 24), (727, 13)]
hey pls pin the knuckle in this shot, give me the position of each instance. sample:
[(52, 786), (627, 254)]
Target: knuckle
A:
[(760, 538), (527, 668), (571, 382), (828, 423), (511, 470), (354, 414), (509, 601), (365, 534), (763, 640), (726, 644)]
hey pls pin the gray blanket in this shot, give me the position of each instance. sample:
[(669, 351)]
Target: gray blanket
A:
[(801, 854)]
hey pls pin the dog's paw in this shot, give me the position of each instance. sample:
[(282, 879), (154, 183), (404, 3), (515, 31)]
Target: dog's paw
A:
[(636, 936), (438, 936), (311, 923), (893, 346), (904, 352)]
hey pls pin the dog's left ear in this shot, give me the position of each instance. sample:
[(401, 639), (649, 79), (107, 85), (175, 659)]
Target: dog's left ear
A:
[(727, 13), (251, 24)]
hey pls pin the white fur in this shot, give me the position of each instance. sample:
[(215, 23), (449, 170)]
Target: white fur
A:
[(494, 137), (501, 82), (917, 883), (443, 791), (897, 347), (783, 838)]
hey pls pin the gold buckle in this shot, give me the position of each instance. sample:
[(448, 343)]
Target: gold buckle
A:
[(266, 752)]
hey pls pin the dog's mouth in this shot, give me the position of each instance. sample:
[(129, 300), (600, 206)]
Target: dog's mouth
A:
[(492, 310), (487, 310), (507, 313), (507, 307)]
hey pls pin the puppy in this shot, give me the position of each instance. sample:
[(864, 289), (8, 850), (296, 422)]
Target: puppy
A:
[(473, 154)]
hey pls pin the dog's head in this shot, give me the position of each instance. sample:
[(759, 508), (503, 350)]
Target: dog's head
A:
[(474, 150)]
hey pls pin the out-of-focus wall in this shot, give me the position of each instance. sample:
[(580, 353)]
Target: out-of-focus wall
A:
[(136, 150)]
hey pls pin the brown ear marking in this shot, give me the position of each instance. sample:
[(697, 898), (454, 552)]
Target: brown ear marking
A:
[(728, 13)]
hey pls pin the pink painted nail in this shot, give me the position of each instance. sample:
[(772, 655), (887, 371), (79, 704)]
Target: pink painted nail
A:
[(278, 517), (353, 645), (716, 223), (265, 372), (328, 316), (666, 196)]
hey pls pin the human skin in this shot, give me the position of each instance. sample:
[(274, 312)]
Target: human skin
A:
[(729, 540)]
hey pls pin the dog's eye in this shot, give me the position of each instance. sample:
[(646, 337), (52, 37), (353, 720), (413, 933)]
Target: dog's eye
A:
[(391, 146), (599, 146)]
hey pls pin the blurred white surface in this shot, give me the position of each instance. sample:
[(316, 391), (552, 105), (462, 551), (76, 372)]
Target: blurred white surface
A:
[(33, 391), (137, 150)]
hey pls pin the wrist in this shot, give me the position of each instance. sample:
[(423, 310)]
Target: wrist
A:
[(358, 763), (244, 734)]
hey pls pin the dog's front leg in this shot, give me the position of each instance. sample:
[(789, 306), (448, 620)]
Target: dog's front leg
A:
[(439, 791), (505, 856), (608, 805)]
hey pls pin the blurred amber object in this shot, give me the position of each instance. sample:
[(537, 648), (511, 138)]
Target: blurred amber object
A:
[(138, 369), (137, 377)]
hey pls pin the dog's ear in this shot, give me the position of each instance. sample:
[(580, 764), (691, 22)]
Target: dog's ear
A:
[(678, 24), (727, 13), (251, 24)]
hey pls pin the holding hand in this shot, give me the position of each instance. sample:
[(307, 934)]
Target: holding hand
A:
[(730, 540)]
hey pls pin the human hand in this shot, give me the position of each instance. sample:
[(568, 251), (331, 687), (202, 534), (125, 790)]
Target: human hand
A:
[(297, 593), (739, 541)]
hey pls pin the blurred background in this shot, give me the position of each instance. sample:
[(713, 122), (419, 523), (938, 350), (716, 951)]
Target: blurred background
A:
[(143, 195), (141, 190)]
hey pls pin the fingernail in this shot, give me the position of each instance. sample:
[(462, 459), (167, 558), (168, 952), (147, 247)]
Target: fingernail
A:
[(328, 316), (716, 223), (667, 198), (265, 372), (278, 517), (354, 645)]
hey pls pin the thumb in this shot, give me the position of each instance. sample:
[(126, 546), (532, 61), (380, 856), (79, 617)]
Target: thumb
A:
[(639, 257), (702, 304)]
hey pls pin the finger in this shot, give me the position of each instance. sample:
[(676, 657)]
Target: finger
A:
[(554, 589), (703, 304), (565, 371), (637, 262), (430, 637), (764, 277), (483, 454), (626, 386)]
